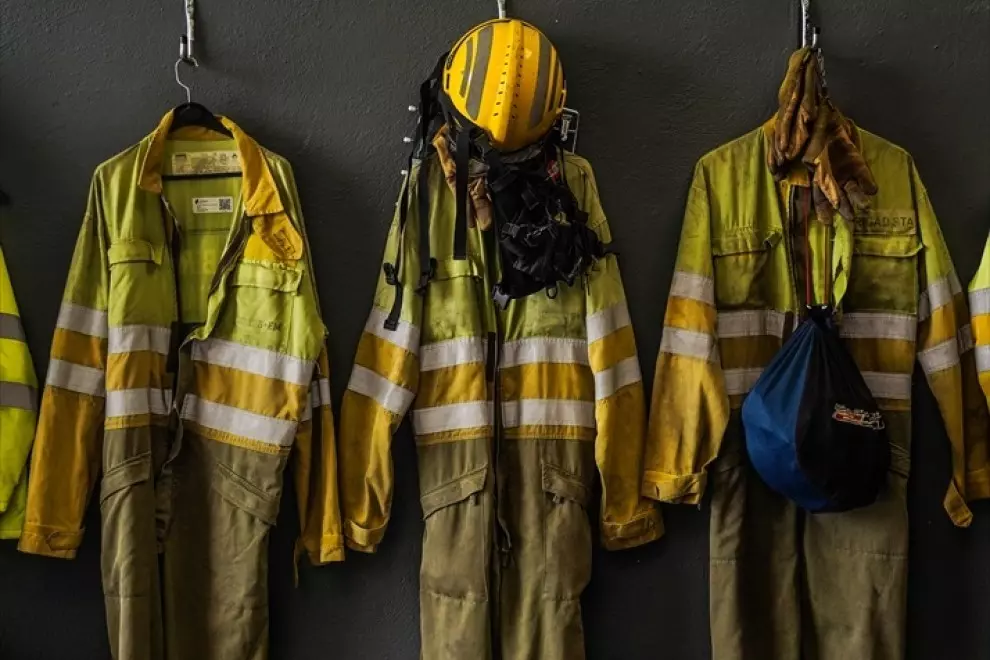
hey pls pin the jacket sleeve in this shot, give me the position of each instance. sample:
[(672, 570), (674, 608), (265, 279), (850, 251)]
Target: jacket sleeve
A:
[(18, 401), (979, 307), (690, 405), (627, 518), (945, 351), (315, 474), (65, 463), (381, 389)]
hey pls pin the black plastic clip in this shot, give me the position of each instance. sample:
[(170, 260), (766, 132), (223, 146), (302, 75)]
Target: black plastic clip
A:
[(426, 276)]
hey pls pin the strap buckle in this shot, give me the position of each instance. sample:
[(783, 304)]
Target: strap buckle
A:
[(426, 275), (391, 274)]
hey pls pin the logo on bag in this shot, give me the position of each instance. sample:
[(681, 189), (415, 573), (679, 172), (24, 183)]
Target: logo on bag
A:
[(869, 420)]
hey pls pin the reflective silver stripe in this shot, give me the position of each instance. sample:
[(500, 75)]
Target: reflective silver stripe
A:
[(751, 323), (269, 430), (319, 393), (982, 354), (688, 343), (254, 360), (868, 325), (10, 327), (965, 338), (940, 357), (606, 321), (535, 350), (979, 302), (470, 415), (888, 386), (75, 377), (464, 350), (695, 287), (17, 395), (406, 335), (130, 338), (390, 396), (740, 381), (548, 412), (938, 294), (140, 401), (82, 319), (613, 379)]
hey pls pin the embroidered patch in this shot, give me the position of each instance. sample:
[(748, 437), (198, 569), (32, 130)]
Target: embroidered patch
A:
[(870, 420), (886, 221)]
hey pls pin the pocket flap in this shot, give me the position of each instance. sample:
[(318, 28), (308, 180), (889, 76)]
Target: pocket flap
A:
[(132, 471), (262, 276), (454, 491), (564, 484), (744, 241), (887, 246), (134, 250), (239, 492), (448, 269)]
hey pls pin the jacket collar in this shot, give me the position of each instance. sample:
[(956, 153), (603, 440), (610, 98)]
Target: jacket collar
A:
[(259, 192)]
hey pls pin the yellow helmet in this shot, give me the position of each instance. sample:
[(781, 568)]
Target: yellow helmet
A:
[(504, 76)]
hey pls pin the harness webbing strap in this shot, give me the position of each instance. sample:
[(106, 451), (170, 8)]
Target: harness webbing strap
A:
[(463, 162)]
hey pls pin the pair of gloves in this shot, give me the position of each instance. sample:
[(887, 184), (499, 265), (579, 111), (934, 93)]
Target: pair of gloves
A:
[(809, 129)]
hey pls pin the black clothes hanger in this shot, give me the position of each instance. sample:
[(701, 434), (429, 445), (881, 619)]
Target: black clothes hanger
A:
[(196, 114)]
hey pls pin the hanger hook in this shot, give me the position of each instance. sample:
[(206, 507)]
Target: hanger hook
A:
[(193, 63), (501, 8)]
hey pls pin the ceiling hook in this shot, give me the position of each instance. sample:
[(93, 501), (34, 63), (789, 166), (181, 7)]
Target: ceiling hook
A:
[(501, 8)]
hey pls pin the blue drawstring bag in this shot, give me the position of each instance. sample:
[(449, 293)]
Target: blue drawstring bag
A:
[(813, 431)]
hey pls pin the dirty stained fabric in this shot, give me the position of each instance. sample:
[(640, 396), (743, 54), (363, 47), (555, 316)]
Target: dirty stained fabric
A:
[(784, 583), (188, 365), (507, 540)]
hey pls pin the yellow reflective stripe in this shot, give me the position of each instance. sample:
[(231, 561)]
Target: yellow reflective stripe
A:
[(979, 302), (609, 351), (452, 352), (452, 385), (693, 286), (749, 352), (79, 348), (387, 360), (405, 335), (454, 417), (607, 321), (548, 412), (889, 386), (982, 354), (882, 355), (688, 343), (88, 321), (690, 315), (237, 422), (260, 361), (942, 324), (138, 401), (869, 325), (751, 323), (741, 381), (250, 392), (131, 338), (75, 377), (534, 350), (547, 381), (613, 379), (132, 370), (390, 396), (938, 294), (981, 330)]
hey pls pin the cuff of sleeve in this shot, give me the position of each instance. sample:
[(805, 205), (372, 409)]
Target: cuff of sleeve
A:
[(955, 506), (978, 485), (50, 542), (673, 488), (331, 550), (638, 531), (361, 539)]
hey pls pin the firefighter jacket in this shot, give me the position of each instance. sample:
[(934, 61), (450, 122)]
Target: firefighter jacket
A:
[(979, 305), (18, 398), (188, 363), (506, 546), (737, 291)]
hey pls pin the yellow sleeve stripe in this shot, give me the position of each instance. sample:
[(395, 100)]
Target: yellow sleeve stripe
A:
[(139, 369), (79, 348), (612, 349), (690, 314), (943, 323), (387, 360), (251, 392)]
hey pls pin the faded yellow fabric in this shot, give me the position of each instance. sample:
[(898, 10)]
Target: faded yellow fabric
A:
[(191, 429), (979, 297), (572, 400), (18, 410)]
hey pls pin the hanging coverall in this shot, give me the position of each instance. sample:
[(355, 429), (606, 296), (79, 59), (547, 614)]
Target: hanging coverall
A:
[(18, 401), (979, 305), (786, 584), (188, 362), (507, 541)]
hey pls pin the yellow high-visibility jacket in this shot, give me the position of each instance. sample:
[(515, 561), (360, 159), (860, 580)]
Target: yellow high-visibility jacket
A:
[(735, 295), (979, 305), (18, 400)]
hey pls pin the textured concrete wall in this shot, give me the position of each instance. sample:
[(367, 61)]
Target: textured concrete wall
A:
[(326, 84)]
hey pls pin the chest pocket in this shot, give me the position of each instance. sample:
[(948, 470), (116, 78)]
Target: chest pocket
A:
[(741, 267), (264, 295), (138, 282), (454, 300), (884, 273)]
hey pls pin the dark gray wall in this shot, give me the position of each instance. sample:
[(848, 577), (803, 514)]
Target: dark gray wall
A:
[(326, 84)]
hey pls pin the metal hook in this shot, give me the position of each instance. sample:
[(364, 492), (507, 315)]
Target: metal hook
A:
[(805, 26), (192, 62), (501, 8)]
